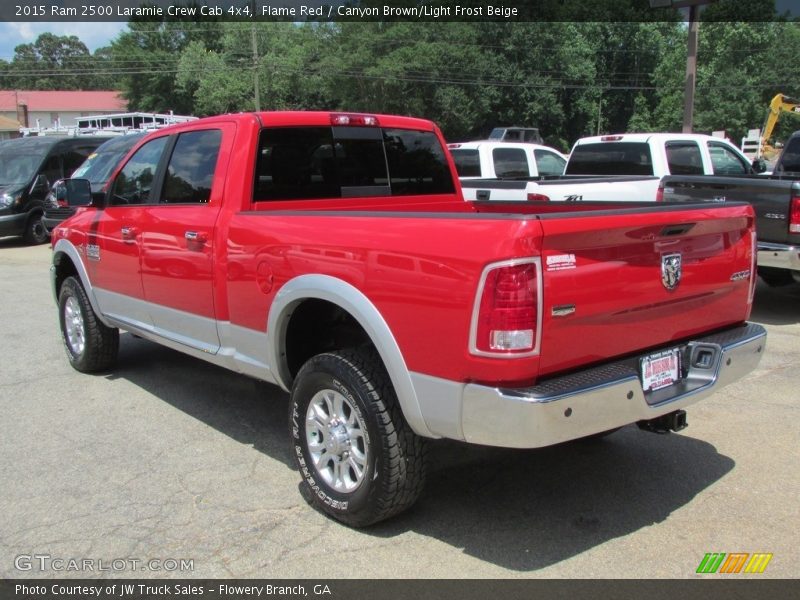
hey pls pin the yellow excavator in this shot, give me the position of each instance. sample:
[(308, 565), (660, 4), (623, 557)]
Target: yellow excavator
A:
[(777, 105)]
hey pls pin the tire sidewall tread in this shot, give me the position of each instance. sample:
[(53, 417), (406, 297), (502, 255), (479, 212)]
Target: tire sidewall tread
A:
[(101, 342), (396, 459)]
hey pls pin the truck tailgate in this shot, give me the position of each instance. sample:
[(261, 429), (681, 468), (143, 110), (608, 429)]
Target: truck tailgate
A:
[(617, 283), (770, 197)]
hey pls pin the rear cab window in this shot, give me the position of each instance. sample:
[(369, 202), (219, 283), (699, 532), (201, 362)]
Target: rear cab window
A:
[(610, 158), (347, 162), (684, 158)]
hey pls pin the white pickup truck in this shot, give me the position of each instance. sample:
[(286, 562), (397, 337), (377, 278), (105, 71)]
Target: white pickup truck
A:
[(618, 167), (505, 160)]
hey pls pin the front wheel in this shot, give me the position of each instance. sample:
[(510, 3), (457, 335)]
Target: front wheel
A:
[(91, 346), (359, 460), (35, 231)]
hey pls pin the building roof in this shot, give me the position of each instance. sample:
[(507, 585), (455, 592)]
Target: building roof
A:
[(54, 101), (7, 124)]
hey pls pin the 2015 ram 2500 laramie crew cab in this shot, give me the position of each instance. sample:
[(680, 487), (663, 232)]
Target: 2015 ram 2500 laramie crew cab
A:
[(333, 255)]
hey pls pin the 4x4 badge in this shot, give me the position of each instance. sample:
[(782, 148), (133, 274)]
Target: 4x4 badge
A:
[(671, 270)]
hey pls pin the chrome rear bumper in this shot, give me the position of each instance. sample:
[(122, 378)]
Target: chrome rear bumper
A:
[(779, 256), (607, 396)]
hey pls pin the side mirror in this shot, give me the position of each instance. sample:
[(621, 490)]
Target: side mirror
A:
[(75, 192), (759, 165)]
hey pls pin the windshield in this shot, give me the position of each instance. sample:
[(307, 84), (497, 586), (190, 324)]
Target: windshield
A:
[(18, 168), (97, 168), (610, 158)]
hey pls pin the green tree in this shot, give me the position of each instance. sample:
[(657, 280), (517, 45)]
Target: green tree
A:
[(146, 57), (52, 62)]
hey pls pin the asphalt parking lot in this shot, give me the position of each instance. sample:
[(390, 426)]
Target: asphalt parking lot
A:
[(169, 458)]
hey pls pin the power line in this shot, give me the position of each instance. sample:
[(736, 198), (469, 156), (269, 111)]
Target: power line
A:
[(604, 85)]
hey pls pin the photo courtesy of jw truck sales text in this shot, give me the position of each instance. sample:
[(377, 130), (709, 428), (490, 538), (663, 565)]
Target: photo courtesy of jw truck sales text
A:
[(166, 590)]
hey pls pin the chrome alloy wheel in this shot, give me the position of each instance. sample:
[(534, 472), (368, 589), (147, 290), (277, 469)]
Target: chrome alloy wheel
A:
[(74, 327), (337, 440)]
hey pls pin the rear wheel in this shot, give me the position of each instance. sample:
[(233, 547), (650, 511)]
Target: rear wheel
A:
[(359, 460), (91, 346)]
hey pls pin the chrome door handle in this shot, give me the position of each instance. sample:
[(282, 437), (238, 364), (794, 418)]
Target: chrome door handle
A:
[(128, 234), (196, 237)]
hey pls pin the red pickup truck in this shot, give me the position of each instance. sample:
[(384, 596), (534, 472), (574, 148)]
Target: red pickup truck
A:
[(333, 255)]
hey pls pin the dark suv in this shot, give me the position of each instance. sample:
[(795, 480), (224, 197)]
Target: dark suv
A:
[(28, 167), (97, 169)]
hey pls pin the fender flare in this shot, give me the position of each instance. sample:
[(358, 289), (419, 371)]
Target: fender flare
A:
[(68, 249), (352, 300)]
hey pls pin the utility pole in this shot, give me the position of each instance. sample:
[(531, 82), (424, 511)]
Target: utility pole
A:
[(691, 53), (255, 67), (691, 70), (599, 111)]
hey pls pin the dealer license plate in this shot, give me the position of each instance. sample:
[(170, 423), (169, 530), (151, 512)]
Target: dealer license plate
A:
[(660, 370)]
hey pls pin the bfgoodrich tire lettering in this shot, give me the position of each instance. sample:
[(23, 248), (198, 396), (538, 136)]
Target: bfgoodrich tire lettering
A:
[(90, 345), (359, 460)]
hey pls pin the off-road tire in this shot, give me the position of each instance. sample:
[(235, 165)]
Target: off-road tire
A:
[(95, 349), (395, 456)]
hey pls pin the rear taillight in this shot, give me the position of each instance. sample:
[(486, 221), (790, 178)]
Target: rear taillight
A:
[(794, 215), (660, 192), (538, 198), (506, 319)]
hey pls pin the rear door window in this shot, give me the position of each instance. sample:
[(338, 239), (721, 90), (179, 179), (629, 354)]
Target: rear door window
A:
[(611, 158), (510, 162), (468, 162), (190, 171), (683, 158)]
